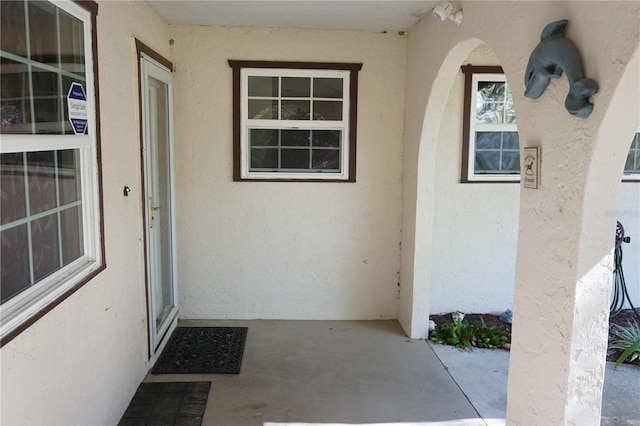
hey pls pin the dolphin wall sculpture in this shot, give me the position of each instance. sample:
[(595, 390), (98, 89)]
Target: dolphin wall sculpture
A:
[(553, 55)]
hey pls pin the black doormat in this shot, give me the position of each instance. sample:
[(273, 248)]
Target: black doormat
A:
[(173, 403), (203, 350)]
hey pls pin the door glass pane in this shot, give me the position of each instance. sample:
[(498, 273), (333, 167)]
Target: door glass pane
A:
[(162, 240)]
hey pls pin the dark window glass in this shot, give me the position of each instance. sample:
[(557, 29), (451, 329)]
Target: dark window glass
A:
[(327, 88), (12, 189), (42, 181), (43, 32), (14, 97), (71, 234), (14, 260), (45, 246), (326, 159), (295, 110), (264, 158), (296, 87), (13, 31), (327, 138), (263, 86), (264, 137), (296, 137), (68, 176), (327, 110), (295, 159)]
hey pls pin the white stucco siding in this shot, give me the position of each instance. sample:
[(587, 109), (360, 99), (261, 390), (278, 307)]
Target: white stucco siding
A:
[(475, 224), (562, 279), (81, 363), (286, 250), (628, 213)]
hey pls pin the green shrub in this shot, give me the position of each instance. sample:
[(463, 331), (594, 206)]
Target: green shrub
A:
[(463, 334), (628, 340)]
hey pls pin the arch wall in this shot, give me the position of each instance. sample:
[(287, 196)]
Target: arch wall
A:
[(563, 262)]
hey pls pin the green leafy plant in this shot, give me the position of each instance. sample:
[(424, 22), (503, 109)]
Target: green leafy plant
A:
[(627, 340), (463, 334)]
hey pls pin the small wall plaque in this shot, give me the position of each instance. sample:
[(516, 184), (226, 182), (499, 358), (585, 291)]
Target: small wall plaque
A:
[(531, 172)]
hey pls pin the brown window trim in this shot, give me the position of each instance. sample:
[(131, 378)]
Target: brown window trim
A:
[(468, 71), (92, 8), (353, 112)]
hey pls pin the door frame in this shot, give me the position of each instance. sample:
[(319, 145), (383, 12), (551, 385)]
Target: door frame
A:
[(155, 343)]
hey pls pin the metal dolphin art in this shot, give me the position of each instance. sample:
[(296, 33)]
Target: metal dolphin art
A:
[(553, 55)]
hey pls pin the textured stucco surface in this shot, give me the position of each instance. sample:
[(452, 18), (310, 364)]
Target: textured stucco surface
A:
[(475, 225), (565, 235), (81, 363), (280, 250)]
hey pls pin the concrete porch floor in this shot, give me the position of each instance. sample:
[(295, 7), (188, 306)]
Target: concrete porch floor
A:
[(353, 372)]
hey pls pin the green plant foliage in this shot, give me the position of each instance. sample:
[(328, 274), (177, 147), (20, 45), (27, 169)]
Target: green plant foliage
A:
[(627, 340), (463, 334)]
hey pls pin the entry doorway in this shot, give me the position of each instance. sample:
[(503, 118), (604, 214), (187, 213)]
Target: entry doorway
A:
[(157, 158)]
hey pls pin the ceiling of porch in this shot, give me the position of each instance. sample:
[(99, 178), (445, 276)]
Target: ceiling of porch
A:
[(377, 15)]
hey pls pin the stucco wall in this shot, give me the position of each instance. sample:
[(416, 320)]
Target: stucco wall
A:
[(81, 363), (565, 233), (476, 225), (286, 250)]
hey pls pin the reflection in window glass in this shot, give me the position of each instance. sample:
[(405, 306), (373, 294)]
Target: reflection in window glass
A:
[(632, 165)]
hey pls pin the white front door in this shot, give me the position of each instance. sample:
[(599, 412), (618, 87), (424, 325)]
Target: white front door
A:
[(157, 150)]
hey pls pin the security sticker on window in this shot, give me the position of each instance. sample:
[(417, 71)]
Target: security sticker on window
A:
[(77, 105)]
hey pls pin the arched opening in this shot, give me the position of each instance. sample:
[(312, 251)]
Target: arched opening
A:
[(476, 222)]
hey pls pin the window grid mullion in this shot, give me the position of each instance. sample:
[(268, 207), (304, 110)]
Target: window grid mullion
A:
[(27, 217), (32, 107)]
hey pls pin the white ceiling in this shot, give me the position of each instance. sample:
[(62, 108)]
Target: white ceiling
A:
[(368, 15)]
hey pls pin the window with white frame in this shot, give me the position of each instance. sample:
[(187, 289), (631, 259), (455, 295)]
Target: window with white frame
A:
[(491, 149), (50, 220), (294, 121), (632, 165)]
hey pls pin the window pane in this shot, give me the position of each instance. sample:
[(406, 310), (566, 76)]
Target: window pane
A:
[(263, 137), (327, 87), (263, 86), (44, 243), (13, 32), (488, 140), (295, 159), (68, 176), (632, 165), (15, 94), (12, 190), (14, 260), (42, 182), (43, 32), (510, 140), (327, 159), (295, 110), (71, 44), (491, 91), (264, 158), (487, 162), (296, 137), (510, 161), (296, 87), (71, 234), (263, 109), (327, 138), (46, 101), (327, 110)]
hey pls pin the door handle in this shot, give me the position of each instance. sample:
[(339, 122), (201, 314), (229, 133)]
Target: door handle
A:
[(152, 209)]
